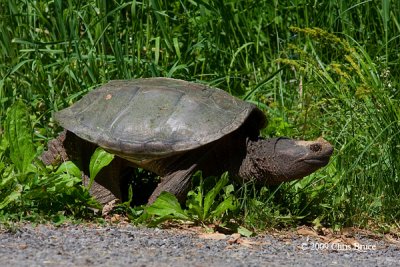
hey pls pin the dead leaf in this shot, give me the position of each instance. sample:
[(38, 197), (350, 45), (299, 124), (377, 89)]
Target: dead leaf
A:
[(335, 241), (23, 246), (350, 241), (215, 236), (392, 240), (327, 232), (348, 231), (109, 207), (199, 245), (246, 242), (306, 231), (288, 242), (237, 239), (234, 238), (116, 218)]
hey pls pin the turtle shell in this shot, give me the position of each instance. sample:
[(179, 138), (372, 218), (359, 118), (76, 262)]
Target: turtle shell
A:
[(147, 119)]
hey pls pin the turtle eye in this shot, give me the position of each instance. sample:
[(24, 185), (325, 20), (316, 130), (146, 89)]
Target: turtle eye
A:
[(315, 147)]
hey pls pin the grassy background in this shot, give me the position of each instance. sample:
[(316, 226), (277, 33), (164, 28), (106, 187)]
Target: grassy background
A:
[(317, 68)]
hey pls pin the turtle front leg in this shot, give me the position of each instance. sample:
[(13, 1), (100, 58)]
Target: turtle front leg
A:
[(99, 192), (177, 183), (177, 179)]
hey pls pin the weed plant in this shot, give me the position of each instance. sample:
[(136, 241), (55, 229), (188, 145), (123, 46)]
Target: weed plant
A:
[(317, 68)]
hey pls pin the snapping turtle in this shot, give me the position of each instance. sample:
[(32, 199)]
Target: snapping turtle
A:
[(174, 128)]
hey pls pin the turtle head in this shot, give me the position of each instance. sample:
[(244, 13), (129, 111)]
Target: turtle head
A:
[(276, 160)]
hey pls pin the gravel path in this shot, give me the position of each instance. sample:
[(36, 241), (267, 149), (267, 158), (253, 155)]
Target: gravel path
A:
[(126, 245)]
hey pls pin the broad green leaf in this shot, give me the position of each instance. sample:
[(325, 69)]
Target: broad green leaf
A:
[(229, 203), (5, 181), (18, 132), (229, 189), (159, 220), (98, 161), (70, 168), (197, 195), (59, 219), (212, 194), (195, 198), (166, 205), (63, 182), (194, 206), (3, 144), (14, 195), (244, 231)]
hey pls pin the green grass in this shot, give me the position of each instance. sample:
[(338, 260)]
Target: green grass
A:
[(340, 82)]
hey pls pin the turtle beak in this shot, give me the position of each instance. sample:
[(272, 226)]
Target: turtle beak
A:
[(316, 152), (296, 159)]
